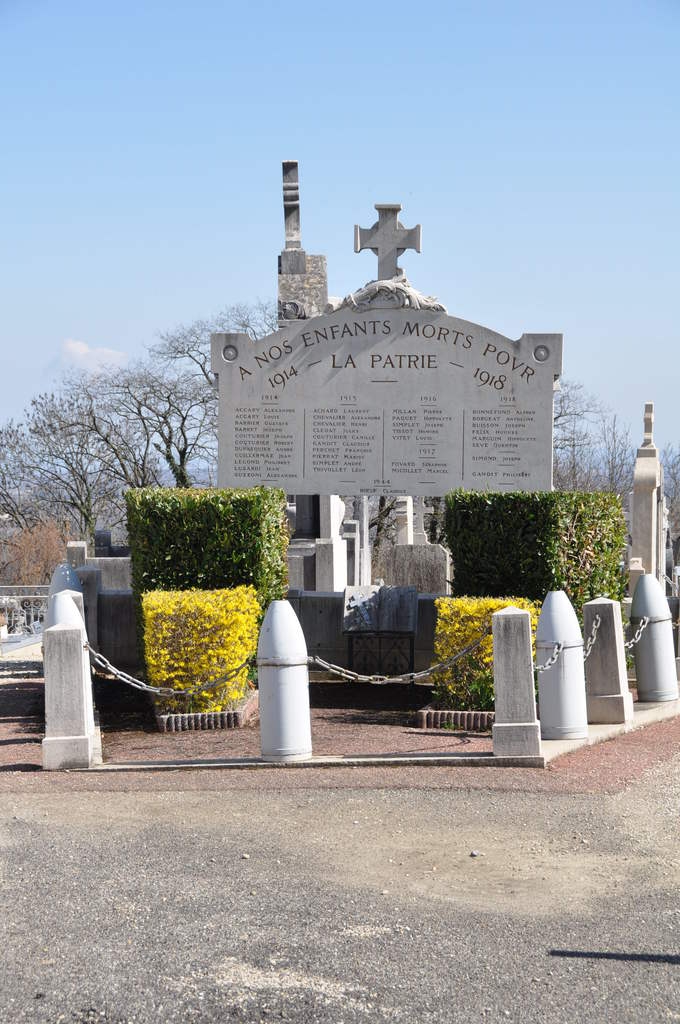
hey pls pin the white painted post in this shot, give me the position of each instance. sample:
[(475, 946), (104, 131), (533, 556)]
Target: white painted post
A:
[(608, 698), (69, 716), (516, 730), (562, 687), (283, 683), (654, 653)]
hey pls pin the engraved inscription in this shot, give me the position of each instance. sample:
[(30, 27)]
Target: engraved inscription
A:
[(392, 401)]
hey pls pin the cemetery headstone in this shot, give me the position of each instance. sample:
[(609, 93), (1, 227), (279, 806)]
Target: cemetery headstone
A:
[(381, 624)]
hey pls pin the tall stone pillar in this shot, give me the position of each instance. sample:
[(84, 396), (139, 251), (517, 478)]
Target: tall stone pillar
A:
[(647, 551), (331, 548), (302, 293), (365, 567), (419, 535), (403, 514)]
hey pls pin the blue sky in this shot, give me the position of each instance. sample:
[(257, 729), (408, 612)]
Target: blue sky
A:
[(537, 143)]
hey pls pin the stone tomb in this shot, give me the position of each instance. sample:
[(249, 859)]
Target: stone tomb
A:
[(380, 624), (381, 399)]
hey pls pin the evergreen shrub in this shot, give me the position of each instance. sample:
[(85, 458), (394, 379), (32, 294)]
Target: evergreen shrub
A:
[(468, 685), (194, 637), (532, 542), (208, 539)]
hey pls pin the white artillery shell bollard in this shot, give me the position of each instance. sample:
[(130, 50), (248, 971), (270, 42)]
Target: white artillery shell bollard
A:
[(654, 651), (64, 577), (283, 682), (561, 687)]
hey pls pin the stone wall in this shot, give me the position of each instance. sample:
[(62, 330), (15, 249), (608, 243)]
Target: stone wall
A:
[(302, 279)]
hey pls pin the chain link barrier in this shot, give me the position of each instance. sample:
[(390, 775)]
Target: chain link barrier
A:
[(635, 639), (587, 650), (162, 691), (344, 673), (557, 650), (406, 677), (590, 642)]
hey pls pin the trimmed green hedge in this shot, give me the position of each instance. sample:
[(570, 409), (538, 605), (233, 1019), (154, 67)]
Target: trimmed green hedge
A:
[(181, 539), (531, 542)]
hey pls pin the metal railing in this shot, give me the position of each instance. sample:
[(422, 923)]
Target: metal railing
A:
[(22, 610)]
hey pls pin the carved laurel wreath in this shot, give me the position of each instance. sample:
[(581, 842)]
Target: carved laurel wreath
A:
[(397, 293)]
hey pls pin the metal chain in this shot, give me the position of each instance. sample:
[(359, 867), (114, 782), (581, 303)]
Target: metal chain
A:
[(344, 673), (590, 642), (406, 677), (557, 650), (644, 622), (163, 691), (166, 691)]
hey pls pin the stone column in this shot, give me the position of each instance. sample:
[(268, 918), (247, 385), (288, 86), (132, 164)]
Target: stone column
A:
[(404, 517), (419, 536), (645, 527), (350, 532), (302, 293), (361, 514), (331, 549)]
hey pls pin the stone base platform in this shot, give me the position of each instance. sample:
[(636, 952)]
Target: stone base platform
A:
[(643, 714)]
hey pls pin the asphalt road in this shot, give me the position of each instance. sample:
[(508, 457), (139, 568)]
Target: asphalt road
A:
[(340, 905)]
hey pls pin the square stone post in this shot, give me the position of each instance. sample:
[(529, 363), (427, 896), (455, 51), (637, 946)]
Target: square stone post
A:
[(607, 695), (69, 719), (516, 731)]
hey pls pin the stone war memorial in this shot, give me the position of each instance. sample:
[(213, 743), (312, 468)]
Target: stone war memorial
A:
[(380, 393), (383, 392)]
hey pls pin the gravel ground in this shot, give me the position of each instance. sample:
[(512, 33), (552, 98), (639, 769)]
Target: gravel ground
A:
[(343, 895)]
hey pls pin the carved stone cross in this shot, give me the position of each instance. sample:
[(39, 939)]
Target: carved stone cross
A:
[(388, 239)]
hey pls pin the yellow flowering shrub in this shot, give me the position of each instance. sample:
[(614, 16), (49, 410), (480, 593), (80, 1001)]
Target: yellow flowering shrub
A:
[(468, 685), (194, 637)]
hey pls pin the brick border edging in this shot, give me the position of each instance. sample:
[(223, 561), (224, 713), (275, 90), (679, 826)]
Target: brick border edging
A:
[(197, 721), (431, 717)]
